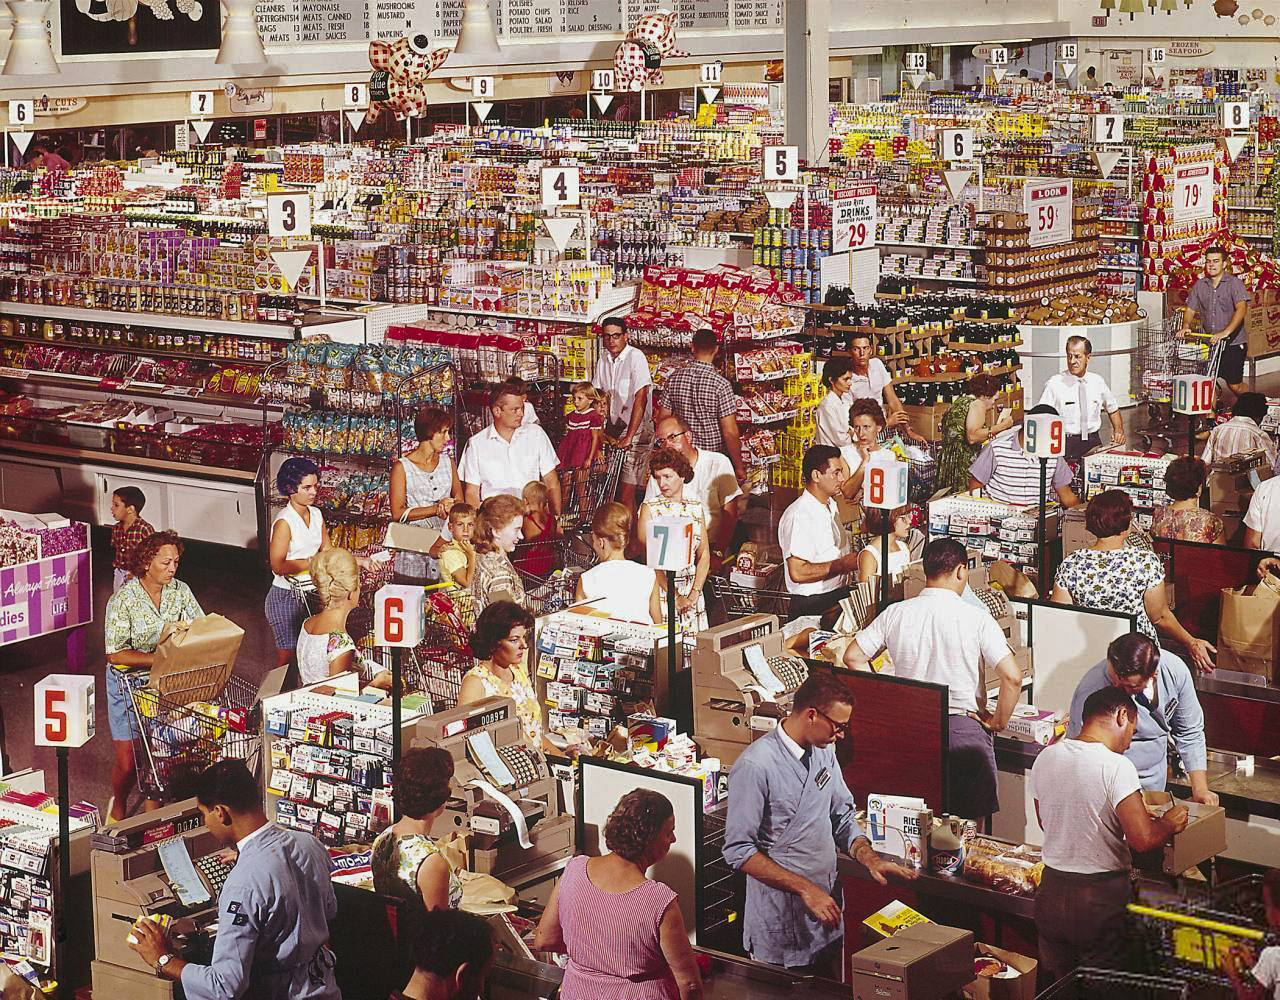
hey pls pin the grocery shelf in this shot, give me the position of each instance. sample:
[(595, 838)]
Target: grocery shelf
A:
[(933, 246), (197, 324), (128, 387), (144, 352)]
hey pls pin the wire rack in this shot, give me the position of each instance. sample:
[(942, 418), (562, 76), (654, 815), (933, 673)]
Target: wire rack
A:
[(1094, 984), (1241, 899), (1189, 943), (1160, 355), (583, 490), (735, 600)]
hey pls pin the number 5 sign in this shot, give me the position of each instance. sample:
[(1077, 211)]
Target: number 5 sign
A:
[(1043, 435), (288, 215), (669, 543), (886, 482), (1192, 394), (398, 614), (781, 163), (64, 711)]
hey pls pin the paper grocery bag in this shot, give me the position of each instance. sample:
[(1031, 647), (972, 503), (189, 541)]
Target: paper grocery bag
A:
[(1249, 631), (194, 659), (410, 537)]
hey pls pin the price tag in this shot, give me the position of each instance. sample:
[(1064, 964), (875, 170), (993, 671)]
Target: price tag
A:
[(886, 483), (559, 186), (64, 713), (1235, 114), (1157, 55), (201, 103), (1192, 394), (669, 543), (853, 218), (957, 144), (1067, 51), (710, 73), (21, 113), (356, 95), (1000, 56), (1108, 128), (289, 214), (602, 79), (781, 163), (917, 62), (398, 613), (1192, 191), (1043, 435), (482, 87), (1047, 203)]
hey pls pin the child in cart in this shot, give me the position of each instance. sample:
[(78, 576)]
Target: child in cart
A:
[(1257, 977)]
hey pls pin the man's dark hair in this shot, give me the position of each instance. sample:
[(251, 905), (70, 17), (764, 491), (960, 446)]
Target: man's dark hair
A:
[(816, 459), (514, 386), (1134, 655), (1079, 341), (1252, 405), (861, 335), (617, 321), (442, 941), (1105, 701), (821, 690), (1220, 251), (131, 496), (228, 783), (942, 556), (705, 342)]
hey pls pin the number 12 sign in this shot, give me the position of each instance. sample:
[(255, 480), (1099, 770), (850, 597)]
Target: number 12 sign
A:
[(853, 218), (64, 710), (1047, 203), (1192, 394)]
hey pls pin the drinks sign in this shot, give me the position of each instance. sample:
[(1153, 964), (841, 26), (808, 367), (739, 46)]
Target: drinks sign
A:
[(853, 218)]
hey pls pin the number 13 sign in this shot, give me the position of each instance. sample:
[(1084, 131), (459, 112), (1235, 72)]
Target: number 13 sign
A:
[(669, 543), (397, 615), (64, 710), (1192, 394)]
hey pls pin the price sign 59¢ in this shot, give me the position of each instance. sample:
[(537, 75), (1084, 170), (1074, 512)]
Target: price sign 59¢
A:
[(397, 615), (1043, 435), (1047, 204)]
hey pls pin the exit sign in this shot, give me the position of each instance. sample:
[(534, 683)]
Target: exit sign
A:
[(1099, 20)]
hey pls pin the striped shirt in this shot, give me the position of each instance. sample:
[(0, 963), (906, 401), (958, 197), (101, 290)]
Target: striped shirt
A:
[(618, 958), (1010, 475)]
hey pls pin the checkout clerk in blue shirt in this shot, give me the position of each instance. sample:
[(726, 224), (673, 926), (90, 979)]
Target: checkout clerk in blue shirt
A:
[(273, 911), (788, 810), (1161, 685)]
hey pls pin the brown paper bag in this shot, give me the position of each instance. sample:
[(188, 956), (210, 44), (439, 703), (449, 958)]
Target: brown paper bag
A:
[(1249, 631), (194, 659)]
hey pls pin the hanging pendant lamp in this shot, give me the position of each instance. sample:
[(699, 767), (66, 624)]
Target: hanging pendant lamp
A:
[(29, 51), (477, 37)]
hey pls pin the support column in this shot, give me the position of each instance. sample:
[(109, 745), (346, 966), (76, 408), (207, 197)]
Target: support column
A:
[(806, 50)]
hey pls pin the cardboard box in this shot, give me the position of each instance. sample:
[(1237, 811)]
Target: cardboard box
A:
[(922, 962), (1262, 323), (410, 537), (1019, 987), (1205, 836), (1032, 725), (208, 645)]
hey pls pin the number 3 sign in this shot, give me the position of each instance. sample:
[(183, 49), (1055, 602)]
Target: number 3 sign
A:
[(397, 615), (64, 711), (288, 215), (669, 543), (886, 482), (1192, 394), (1043, 435)]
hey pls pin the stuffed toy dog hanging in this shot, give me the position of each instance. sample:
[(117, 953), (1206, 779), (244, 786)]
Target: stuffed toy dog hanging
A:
[(399, 81), (637, 64)]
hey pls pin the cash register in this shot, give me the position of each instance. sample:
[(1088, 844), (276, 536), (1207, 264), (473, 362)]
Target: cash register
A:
[(505, 795), (163, 863), (743, 684)]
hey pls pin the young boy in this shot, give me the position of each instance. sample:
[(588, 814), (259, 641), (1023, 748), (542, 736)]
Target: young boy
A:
[(1259, 978), (539, 528), (458, 559), (126, 510)]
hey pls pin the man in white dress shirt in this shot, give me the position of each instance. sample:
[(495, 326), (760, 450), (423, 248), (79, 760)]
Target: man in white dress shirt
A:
[(622, 374), (1080, 397), (714, 481), (815, 551), (508, 454)]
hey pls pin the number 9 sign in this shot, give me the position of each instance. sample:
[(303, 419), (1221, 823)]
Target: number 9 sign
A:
[(1043, 435), (1192, 394), (64, 714), (669, 543), (397, 615), (886, 484)]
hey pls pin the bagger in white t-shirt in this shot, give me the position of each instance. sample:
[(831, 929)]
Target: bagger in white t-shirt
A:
[(1263, 515), (1077, 785), (1267, 970)]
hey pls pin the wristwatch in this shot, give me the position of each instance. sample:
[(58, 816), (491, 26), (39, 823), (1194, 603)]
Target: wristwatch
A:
[(162, 961)]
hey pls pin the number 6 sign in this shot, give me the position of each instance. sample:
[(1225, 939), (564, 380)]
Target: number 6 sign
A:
[(886, 483), (64, 710), (669, 543), (398, 614), (1043, 435), (1192, 394)]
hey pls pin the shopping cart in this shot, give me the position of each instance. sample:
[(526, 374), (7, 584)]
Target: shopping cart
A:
[(734, 600), (1159, 356), (1241, 901), (583, 490), (1189, 943), (1094, 984), (435, 666), (195, 720)]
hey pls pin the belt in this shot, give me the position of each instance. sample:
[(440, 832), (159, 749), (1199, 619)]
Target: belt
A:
[(1086, 878)]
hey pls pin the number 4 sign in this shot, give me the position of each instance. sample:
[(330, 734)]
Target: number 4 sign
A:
[(669, 543), (559, 186), (398, 615), (64, 710), (288, 215), (1192, 394)]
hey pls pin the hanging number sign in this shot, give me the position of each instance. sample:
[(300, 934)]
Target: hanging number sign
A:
[(669, 543), (398, 615), (781, 163), (957, 144), (288, 214), (1108, 128), (1192, 394), (64, 713), (356, 95), (1156, 55), (1067, 51), (602, 79), (711, 73), (917, 62), (482, 87), (1043, 435), (201, 103), (21, 113), (1000, 56), (1235, 115), (559, 186), (886, 483)]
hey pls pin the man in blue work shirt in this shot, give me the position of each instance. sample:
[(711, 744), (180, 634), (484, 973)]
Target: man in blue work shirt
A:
[(273, 911), (788, 809), (1161, 685)]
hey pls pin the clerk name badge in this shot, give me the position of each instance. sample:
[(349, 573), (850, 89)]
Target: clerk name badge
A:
[(823, 777)]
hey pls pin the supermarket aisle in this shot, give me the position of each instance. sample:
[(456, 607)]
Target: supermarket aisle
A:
[(232, 582)]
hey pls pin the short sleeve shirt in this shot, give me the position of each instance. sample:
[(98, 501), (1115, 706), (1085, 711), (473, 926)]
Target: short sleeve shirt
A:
[(1214, 306), (870, 385), (1113, 581), (1263, 515), (499, 466), (133, 622), (1267, 970), (809, 531), (701, 397), (621, 378)]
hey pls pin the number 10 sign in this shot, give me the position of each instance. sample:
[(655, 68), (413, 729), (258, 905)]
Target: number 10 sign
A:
[(1192, 394)]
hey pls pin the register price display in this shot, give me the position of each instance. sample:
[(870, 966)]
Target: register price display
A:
[(853, 218), (1192, 191), (1048, 207)]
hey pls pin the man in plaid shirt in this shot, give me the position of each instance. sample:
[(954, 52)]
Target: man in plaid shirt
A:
[(127, 532), (703, 398)]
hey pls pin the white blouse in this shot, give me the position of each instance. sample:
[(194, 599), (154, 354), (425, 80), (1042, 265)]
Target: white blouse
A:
[(623, 588), (833, 420)]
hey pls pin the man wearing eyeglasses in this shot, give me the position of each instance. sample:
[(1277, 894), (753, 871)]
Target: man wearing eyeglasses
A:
[(714, 482), (789, 809), (941, 638), (622, 374)]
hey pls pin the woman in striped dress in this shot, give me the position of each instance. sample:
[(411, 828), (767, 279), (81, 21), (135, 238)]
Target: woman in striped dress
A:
[(642, 951)]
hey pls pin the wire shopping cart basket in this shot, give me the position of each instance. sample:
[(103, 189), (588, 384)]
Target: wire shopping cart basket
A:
[(196, 721), (1094, 984), (1240, 900), (1161, 354), (736, 600), (1191, 944), (583, 490)]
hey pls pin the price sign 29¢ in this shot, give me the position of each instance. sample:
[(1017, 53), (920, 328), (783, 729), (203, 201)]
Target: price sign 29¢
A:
[(853, 218)]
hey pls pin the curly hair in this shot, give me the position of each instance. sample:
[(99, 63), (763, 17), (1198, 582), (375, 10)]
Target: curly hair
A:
[(495, 513), (867, 408), (1185, 477), (430, 421), (1110, 513), (983, 385), (612, 522), (147, 549), (335, 574), (494, 624), (635, 821), (669, 458), (292, 472), (422, 781)]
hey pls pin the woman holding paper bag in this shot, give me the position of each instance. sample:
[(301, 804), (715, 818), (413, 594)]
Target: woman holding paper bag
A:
[(297, 534), (136, 615), (424, 487), (672, 472)]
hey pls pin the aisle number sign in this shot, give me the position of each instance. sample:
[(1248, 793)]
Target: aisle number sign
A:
[(560, 186), (482, 87), (21, 113), (1067, 52), (1108, 128), (398, 613), (201, 103), (1156, 55), (1000, 56), (957, 144), (886, 483), (711, 73), (1235, 115), (602, 79), (917, 62), (1047, 203), (356, 95), (1043, 435), (289, 214), (1192, 394), (1192, 191), (669, 543), (64, 713), (781, 163), (853, 218)]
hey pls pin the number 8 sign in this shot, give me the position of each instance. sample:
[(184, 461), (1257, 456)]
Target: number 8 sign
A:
[(1043, 435), (397, 615), (886, 482), (1192, 394)]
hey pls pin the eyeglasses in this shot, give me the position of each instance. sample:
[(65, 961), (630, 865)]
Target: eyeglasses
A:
[(673, 438), (612, 336), (837, 728)]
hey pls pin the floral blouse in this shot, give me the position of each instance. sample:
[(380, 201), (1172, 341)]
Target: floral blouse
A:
[(395, 861), (133, 622), (1194, 525), (494, 574), (1116, 580), (521, 691)]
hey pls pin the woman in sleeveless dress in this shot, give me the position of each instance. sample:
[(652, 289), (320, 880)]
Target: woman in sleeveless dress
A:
[(500, 642), (672, 472), (406, 861), (424, 486), (616, 585), (297, 534)]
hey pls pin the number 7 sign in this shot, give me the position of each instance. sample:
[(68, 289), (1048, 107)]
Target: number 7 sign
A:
[(669, 543)]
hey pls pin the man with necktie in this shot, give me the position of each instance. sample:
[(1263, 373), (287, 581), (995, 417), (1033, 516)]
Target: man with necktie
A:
[(1080, 396)]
